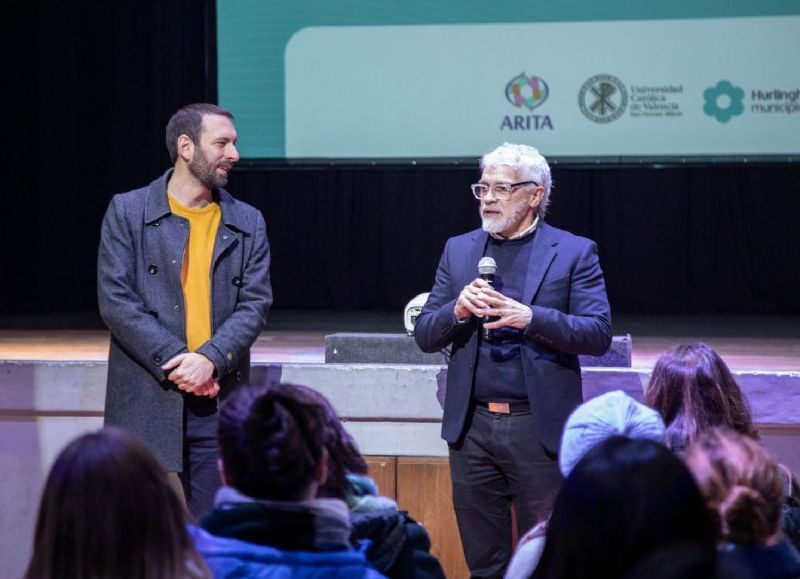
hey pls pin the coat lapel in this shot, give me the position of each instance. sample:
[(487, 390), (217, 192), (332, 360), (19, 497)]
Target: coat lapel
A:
[(473, 255), (542, 254)]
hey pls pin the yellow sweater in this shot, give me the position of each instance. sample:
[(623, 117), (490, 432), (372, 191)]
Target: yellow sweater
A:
[(196, 269)]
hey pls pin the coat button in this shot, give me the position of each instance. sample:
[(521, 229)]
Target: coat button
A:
[(237, 282), (177, 307), (152, 269), (157, 223), (224, 237), (238, 375), (229, 356), (157, 359)]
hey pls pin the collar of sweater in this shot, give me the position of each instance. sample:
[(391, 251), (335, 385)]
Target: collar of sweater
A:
[(313, 525), (528, 230)]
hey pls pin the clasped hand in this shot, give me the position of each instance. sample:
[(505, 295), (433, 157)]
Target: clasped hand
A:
[(480, 299), (193, 373)]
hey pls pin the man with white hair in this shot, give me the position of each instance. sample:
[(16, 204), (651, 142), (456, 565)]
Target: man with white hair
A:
[(513, 373)]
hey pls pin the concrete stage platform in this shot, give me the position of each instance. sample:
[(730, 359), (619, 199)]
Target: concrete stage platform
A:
[(52, 378)]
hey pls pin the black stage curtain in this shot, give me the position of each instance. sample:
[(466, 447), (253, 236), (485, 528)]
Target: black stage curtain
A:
[(93, 88), (684, 239)]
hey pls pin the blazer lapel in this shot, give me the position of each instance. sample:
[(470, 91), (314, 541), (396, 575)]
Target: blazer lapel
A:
[(473, 255), (542, 254)]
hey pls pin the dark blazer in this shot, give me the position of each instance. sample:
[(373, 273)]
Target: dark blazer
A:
[(141, 301), (571, 316)]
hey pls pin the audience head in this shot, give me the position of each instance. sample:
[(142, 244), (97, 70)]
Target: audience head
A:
[(607, 415), (623, 501), (693, 389), (273, 442), (343, 455), (107, 510), (742, 486)]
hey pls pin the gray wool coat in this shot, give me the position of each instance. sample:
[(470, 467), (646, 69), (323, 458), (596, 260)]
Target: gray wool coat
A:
[(141, 301)]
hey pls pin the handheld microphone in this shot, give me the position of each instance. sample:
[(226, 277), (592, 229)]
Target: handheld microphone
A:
[(487, 268)]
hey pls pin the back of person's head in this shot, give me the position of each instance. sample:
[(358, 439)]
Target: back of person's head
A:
[(741, 483), (694, 390), (107, 510), (624, 500), (610, 414), (343, 455), (273, 442), (189, 121)]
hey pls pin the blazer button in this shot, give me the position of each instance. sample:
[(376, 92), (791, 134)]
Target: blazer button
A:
[(152, 269), (237, 282), (157, 359)]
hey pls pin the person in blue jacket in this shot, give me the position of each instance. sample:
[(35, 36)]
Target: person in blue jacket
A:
[(397, 545), (267, 521)]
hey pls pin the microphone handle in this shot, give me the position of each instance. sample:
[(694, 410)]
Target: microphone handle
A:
[(487, 333)]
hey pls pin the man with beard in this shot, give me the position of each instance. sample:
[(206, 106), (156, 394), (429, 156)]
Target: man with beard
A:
[(183, 285), (513, 374)]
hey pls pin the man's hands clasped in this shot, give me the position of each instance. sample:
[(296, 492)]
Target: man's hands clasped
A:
[(193, 373), (479, 299)]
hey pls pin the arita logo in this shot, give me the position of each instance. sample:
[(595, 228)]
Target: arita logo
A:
[(527, 91)]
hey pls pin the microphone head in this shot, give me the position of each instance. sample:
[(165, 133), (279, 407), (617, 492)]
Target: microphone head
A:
[(487, 266)]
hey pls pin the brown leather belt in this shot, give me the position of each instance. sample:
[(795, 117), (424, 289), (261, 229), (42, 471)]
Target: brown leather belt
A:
[(504, 407)]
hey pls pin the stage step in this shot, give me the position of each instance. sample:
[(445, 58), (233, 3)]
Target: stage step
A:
[(374, 348)]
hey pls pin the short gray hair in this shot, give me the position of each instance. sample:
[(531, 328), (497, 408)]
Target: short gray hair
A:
[(530, 164)]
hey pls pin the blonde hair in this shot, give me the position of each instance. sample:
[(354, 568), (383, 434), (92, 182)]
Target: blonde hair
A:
[(741, 483)]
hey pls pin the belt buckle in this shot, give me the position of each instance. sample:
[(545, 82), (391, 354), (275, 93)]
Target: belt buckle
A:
[(500, 407)]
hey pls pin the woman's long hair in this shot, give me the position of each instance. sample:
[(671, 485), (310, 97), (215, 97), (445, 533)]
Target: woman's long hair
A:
[(625, 500), (107, 511), (693, 390)]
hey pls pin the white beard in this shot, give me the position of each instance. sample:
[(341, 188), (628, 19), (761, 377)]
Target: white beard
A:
[(511, 219)]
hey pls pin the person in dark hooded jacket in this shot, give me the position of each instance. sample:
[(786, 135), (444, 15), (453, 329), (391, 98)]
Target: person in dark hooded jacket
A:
[(399, 547)]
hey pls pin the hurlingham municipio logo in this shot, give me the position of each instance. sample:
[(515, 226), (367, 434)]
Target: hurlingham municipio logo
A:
[(603, 98), (527, 91), (723, 101)]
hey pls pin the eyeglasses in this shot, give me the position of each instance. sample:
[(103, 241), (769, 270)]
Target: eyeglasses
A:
[(502, 191)]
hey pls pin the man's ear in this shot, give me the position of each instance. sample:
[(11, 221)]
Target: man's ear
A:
[(537, 197), (185, 147)]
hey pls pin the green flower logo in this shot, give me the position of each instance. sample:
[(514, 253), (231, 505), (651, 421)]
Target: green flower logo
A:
[(723, 101)]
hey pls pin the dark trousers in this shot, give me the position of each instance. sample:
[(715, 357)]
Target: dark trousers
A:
[(200, 477), (499, 462)]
